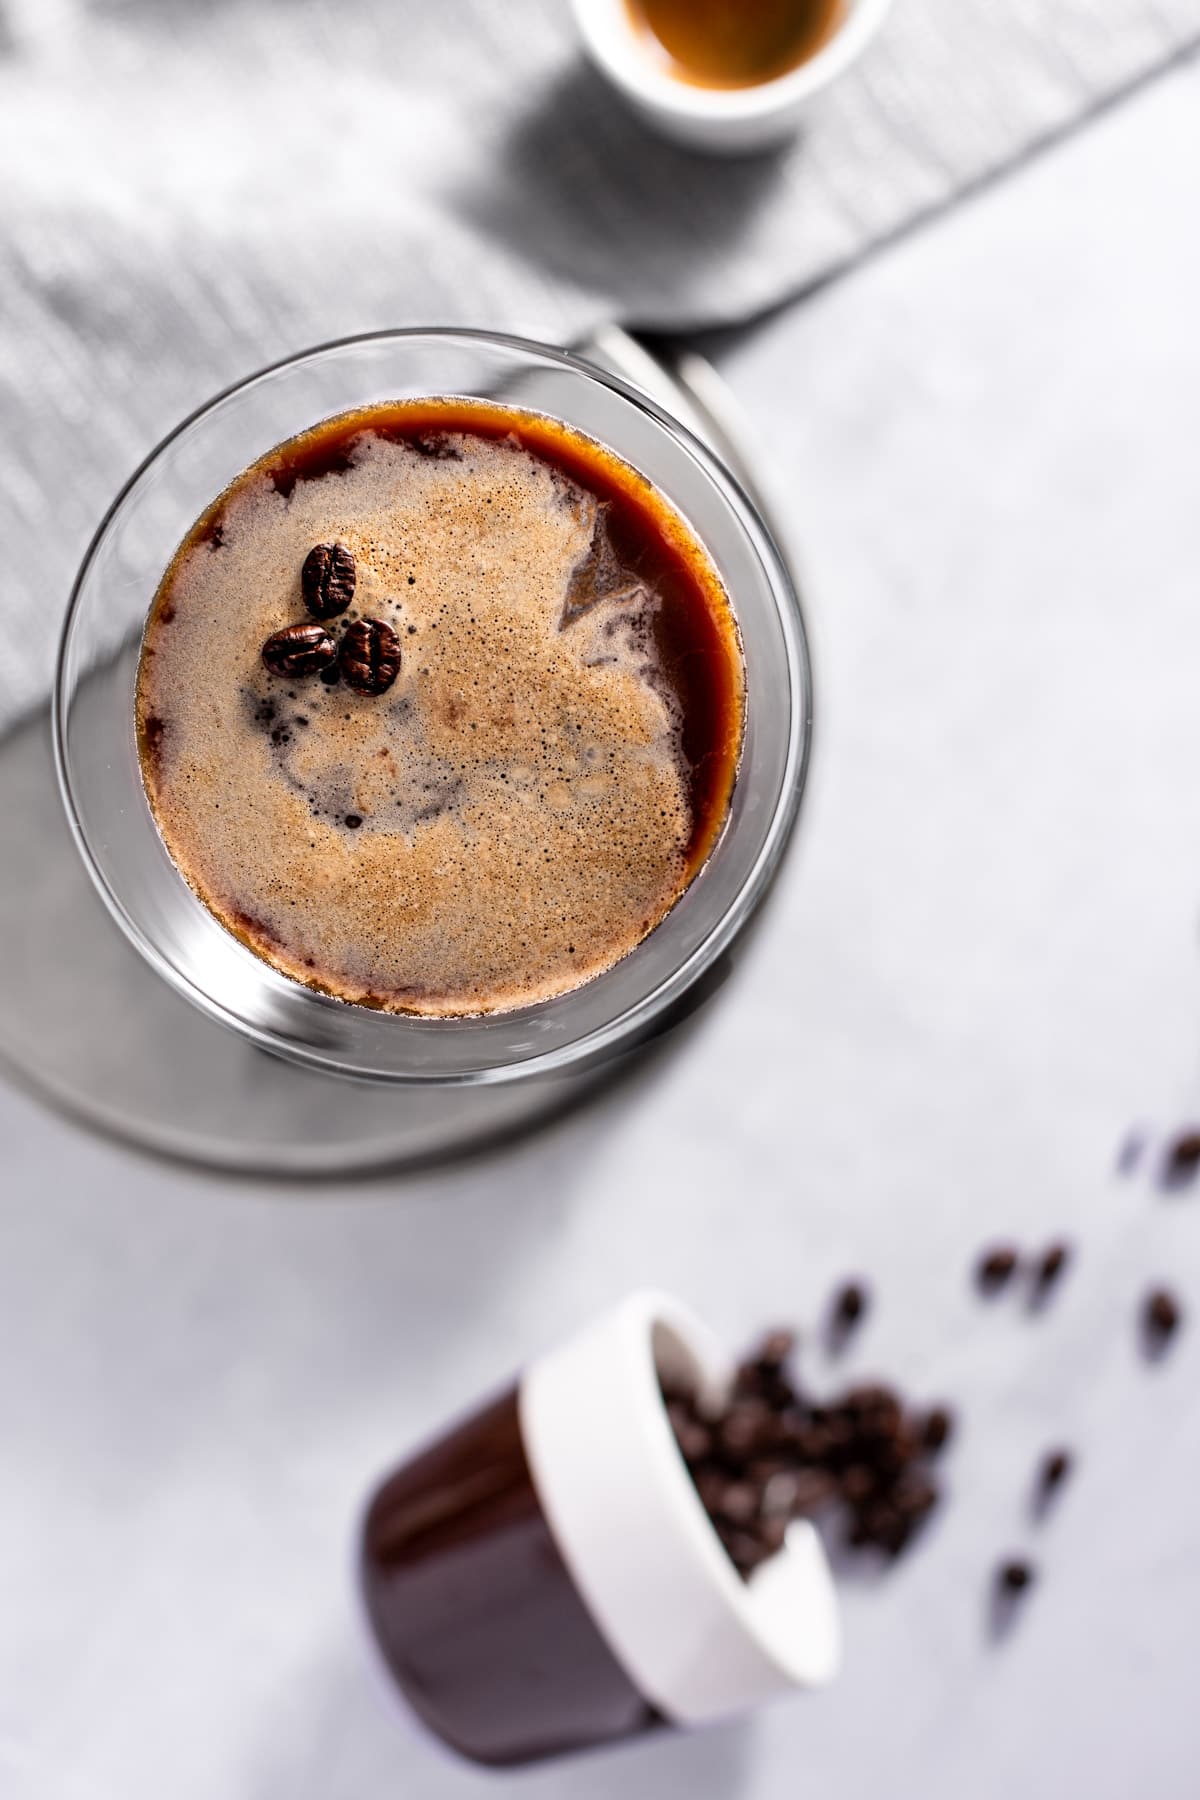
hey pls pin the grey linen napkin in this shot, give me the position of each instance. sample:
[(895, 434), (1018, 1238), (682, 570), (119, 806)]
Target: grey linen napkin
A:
[(189, 188)]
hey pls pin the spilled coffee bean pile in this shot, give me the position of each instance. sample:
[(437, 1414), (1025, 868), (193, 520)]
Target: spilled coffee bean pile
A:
[(368, 656), (772, 1453)]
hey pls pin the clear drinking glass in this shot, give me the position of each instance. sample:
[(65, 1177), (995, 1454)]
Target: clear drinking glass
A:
[(100, 775)]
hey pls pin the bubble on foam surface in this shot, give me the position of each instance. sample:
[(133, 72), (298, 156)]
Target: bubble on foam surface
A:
[(523, 803)]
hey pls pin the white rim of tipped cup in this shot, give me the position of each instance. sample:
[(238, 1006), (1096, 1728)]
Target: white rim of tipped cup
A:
[(618, 46), (697, 1640)]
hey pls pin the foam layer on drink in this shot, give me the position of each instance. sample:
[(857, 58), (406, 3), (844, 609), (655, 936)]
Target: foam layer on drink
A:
[(538, 787)]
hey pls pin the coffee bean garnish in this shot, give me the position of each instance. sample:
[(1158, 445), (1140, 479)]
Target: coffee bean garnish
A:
[(299, 650), (327, 580), (352, 821), (1161, 1314), (370, 656), (1015, 1575), (996, 1267)]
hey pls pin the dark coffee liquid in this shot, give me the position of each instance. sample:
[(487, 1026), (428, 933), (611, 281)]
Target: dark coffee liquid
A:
[(547, 771), (475, 1612), (737, 43)]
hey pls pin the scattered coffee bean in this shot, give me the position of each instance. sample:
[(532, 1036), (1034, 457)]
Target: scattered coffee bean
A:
[(1161, 1315), (1056, 1466), (327, 580), (996, 1268), (352, 821), (299, 650), (850, 1305), (1053, 1261), (937, 1428), (370, 656), (1015, 1575), (1183, 1158), (775, 1349)]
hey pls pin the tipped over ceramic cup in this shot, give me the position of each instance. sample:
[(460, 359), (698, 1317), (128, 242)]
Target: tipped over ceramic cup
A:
[(543, 1578)]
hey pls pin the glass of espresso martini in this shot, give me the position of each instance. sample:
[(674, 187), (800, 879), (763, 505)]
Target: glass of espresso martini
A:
[(433, 708)]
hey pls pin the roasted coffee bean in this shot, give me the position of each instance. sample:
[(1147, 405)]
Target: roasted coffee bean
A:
[(1183, 1157), (743, 1430), (327, 580), (887, 1526), (779, 1493), (739, 1502), (744, 1549), (1015, 1575), (776, 1348), (844, 1437), (772, 1534), (1056, 1466), (1160, 1315), (710, 1485), (814, 1444), (299, 650), (693, 1438), (764, 1469), (858, 1484), (937, 1428), (1053, 1261), (813, 1490), (890, 1455), (850, 1303), (873, 1409), (858, 1533), (914, 1495), (370, 656), (996, 1267), (755, 1380)]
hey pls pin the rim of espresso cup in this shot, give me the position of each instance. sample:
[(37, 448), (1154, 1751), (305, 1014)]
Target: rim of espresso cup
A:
[(698, 1640), (733, 119), (100, 774)]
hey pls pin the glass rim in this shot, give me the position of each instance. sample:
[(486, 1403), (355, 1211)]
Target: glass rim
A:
[(625, 1028)]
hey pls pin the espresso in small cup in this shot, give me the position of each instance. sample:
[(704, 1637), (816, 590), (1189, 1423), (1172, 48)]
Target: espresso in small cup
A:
[(440, 707), (735, 43)]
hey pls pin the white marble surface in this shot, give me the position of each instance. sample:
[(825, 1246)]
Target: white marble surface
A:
[(981, 967)]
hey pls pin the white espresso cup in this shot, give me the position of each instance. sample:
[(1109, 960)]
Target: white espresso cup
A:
[(726, 121)]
